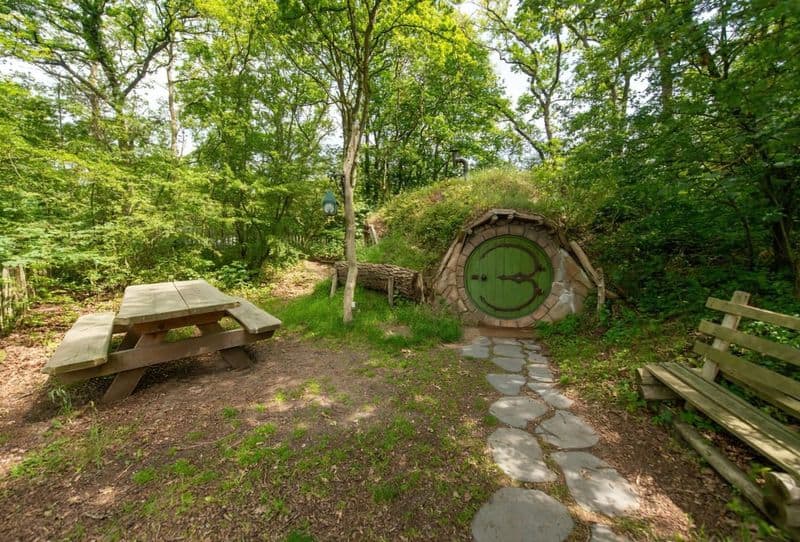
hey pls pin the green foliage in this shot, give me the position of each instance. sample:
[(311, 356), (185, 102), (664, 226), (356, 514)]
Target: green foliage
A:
[(600, 359), (749, 516), (183, 468), (662, 134), (61, 397), (664, 417), (229, 413)]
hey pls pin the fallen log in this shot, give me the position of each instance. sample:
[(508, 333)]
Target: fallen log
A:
[(386, 278)]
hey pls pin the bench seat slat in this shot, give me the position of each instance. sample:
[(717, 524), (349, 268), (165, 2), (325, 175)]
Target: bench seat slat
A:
[(252, 318), (85, 345), (754, 313), (782, 352), (749, 413), (752, 426)]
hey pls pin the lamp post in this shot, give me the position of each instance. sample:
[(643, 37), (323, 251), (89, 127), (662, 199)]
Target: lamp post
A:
[(329, 204)]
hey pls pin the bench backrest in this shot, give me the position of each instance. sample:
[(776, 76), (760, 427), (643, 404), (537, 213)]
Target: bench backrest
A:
[(777, 389)]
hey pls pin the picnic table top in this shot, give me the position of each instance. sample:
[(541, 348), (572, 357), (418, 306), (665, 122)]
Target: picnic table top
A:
[(164, 300)]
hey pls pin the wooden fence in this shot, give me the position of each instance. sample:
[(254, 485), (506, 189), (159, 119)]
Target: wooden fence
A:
[(13, 296)]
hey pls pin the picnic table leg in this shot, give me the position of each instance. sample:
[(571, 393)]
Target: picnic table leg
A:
[(235, 357), (129, 341), (125, 382)]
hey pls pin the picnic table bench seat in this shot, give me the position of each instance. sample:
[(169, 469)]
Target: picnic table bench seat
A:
[(252, 318), (85, 345), (702, 389)]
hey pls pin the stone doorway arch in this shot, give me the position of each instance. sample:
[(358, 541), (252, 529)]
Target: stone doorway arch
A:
[(511, 269)]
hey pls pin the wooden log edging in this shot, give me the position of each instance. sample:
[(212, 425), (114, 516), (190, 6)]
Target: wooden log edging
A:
[(724, 466), (386, 278), (782, 501), (780, 498)]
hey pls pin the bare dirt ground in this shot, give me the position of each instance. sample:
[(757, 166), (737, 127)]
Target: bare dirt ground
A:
[(300, 279), (315, 439)]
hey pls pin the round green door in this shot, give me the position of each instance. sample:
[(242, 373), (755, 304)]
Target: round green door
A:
[(508, 276)]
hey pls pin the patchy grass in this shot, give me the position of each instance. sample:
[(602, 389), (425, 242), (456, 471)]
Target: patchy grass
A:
[(388, 438), (144, 476), (78, 453)]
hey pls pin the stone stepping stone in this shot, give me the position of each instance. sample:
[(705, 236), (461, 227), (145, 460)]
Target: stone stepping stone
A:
[(537, 359), (530, 345), (603, 533), (519, 455), (517, 411), (475, 351), (541, 373), (506, 384), (566, 431), (482, 341), (515, 514), (594, 485), (504, 340), (509, 364), (550, 395), (508, 351)]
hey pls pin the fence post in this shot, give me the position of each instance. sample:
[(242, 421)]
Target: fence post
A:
[(13, 295)]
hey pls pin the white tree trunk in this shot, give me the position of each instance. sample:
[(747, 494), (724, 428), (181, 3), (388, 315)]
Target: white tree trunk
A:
[(173, 111)]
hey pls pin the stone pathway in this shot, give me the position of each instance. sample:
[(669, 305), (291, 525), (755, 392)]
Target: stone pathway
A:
[(533, 407)]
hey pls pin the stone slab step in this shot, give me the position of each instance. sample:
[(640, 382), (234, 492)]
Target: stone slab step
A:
[(517, 411), (513, 365), (505, 383), (596, 486), (519, 455), (516, 515), (566, 431)]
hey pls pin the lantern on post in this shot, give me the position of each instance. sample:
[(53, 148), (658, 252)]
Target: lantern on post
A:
[(458, 159), (329, 204)]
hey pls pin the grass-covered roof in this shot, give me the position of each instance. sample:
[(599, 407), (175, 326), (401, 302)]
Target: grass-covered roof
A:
[(419, 225)]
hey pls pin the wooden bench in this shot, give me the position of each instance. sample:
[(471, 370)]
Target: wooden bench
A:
[(85, 345), (707, 390)]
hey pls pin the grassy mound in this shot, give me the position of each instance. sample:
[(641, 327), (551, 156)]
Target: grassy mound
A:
[(421, 224)]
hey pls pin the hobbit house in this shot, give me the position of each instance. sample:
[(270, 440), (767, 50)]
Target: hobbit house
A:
[(513, 269)]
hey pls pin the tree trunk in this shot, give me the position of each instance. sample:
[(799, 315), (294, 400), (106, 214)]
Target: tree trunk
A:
[(94, 106), (353, 135), (373, 276), (666, 81), (173, 112)]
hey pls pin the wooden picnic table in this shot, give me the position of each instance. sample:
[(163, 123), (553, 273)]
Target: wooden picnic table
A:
[(147, 313)]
